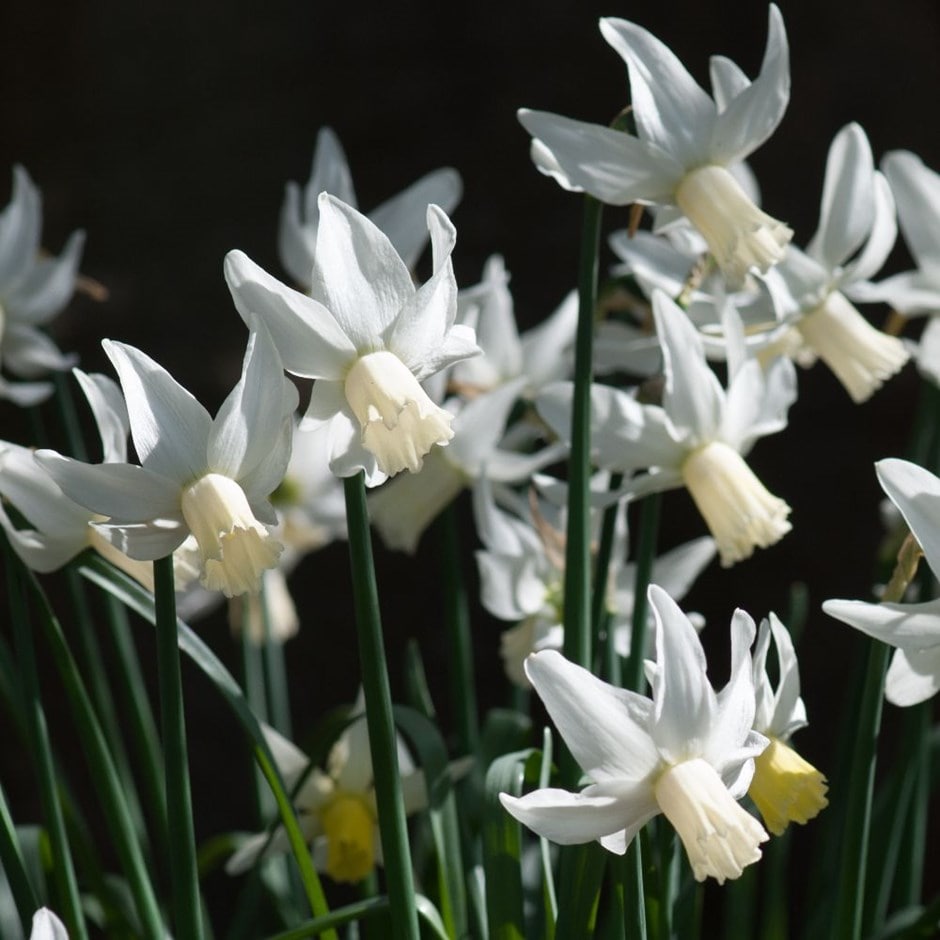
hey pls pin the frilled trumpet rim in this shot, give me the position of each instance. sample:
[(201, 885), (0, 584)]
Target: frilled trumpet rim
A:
[(234, 546), (400, 424), (720, 838), (861, 357), (739, 235), (786, 788), (737, 508), (349, 826)]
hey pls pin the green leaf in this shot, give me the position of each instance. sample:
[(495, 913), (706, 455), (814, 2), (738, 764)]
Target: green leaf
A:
[(502, 848)]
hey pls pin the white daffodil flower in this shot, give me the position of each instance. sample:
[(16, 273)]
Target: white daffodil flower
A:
[(336, 809), (542, 354), (698, 438), (58, 528), (687, 752), (522, 578), (368, 336), (685, 144), (913, 629), (33, 290), (786, 788), (402, 217), (857, 230), (916, 190), (202, 476), (46, 926), (402, 510)]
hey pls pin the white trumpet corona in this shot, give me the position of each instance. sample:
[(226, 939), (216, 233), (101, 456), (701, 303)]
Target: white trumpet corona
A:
[(860, 356), (400, 424), (739, 510), (738, 234), (235, 547), (720, 837)]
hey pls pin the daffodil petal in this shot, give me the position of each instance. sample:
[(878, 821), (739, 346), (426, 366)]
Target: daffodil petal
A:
[(916, 493), (913, 676), (168, 425), (909, 627), (357, 274), (605, 727), (307, 336), (123, 492)]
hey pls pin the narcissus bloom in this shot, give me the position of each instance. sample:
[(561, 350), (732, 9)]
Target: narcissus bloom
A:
[(685, 144), (785, 788), (698, 438), (368, 336), (856, 232), (914, 629), (337, 809), (33, 290), (916, 191), (522, 577), (199, 475), (687, 752), (401, 217)]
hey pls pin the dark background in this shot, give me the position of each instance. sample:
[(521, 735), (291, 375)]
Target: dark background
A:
[(168, 131)]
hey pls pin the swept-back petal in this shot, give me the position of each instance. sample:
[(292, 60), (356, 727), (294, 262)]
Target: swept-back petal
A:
[(310, 341), (671, 109), (684, 701), (29, 353), (107, 405), (916, 493), (20, 227), (605, 727), (881, 239), (734, 717), (573, 818), (47, 286), (612, 166), (693, 398), (403, 216), (676, 570), (249, 425), (357, 274), (913, 676), (916, 190), (847, 211), (169, 427), (44, 552), (789, 713), (748, 120), (123, 492), (910, 627)]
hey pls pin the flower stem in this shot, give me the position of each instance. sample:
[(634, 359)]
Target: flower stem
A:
[(108, 781), (382, 738), (64, 868), (275, 672), (14, 868), (183, 872), (645, 555), (850, 896), (457, 621), (577, 612), (605, 547)]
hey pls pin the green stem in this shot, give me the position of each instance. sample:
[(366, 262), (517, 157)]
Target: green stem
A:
[(577, 611), (184, 877), (382, 737), (64, 867), (645, 555), (634, 901), (11, 861), (847, 922), (104, 773), (132, 690), (605, 548), (457, 622), (776, 903)]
